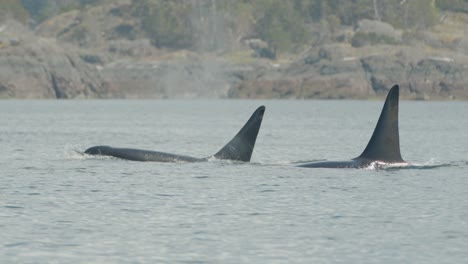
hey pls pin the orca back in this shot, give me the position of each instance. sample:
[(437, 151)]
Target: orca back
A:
[(140, 154), (384, 144), (240, 148)]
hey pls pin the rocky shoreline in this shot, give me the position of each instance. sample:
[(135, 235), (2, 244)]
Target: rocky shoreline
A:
[(333, 72), (52, 62)]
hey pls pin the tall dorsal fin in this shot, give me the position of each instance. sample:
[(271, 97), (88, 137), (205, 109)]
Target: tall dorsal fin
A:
[(241, 146), (384, 144)]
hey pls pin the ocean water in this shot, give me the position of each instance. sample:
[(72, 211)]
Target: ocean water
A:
[(60, 206)]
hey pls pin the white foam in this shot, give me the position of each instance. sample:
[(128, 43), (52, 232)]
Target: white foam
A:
[(375, 165)]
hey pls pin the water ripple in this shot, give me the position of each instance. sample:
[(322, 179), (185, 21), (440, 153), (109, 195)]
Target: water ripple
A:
[(18, 244), (13, 207)]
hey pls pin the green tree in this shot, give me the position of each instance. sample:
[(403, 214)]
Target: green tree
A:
[(13, 8), (310, 10), (41, 10), (420, 14), (453, 5), (281, 25), (351, 11), (166, 22)]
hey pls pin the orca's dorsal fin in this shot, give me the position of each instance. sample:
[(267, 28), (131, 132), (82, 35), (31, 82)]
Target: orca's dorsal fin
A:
[(384, 144), (241, 146)]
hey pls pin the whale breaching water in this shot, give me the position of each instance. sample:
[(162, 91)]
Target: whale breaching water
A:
[(384, 145), (240, 147)]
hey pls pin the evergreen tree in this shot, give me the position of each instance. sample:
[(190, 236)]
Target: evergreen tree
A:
[(166, 22), (281, 25), (14, 9)]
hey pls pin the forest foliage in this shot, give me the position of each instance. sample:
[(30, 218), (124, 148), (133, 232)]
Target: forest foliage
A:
[(282, 24), (13, 8)]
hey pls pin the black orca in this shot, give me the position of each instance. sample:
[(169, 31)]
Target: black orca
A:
[(384, 145), (239, 148)]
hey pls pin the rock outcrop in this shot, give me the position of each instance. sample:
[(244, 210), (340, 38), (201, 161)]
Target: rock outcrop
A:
[(32, 67), (102, 52), (340, 71)]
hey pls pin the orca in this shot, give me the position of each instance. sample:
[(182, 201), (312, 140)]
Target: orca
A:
[(384, 145), (240, 147)]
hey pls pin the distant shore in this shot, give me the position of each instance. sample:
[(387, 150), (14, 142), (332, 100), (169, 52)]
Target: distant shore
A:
[(57, 59)]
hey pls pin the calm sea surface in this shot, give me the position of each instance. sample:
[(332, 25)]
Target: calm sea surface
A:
[(59, 206)]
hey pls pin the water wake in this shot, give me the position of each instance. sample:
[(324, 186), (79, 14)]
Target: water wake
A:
[(431, 164)]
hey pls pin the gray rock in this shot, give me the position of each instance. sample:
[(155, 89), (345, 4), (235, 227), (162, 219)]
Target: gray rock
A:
[(378, 28), (133, 48), (39, 68), (420, 76)]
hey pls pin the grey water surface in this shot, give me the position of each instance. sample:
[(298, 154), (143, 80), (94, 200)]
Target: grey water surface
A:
[(60, 206)]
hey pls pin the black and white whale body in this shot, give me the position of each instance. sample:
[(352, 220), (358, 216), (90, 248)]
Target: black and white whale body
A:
[(384, 145), (240, 148)]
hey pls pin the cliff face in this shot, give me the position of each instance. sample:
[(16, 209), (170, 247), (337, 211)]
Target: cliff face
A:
[(44, 70), (340, 71), (35, 67), (101, 52)]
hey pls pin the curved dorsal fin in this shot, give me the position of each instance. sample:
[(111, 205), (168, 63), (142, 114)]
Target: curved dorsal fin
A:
[(241, 146), (384, 144)]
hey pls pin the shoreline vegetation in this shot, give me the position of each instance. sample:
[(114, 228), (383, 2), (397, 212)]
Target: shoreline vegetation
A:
[(262, 49)]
